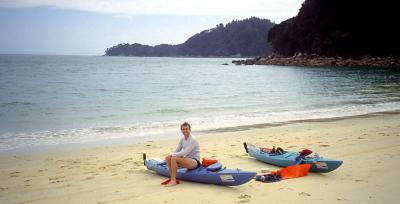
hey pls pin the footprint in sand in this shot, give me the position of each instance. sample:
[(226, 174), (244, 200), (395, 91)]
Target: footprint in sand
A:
[(110, 166), (130, 171), (244, 198), (286, 188), (304, 194), (14, 174), (137, 163), (58, 179), (360, 180), (234, 156), (143, 170), (89, 177), (3, 188), (41, 170), (127, 160)]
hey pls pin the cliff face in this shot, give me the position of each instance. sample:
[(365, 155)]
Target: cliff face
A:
[(339, 28), (246, 37)]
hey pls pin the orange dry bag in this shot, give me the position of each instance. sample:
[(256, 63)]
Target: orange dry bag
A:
[(207, 162), (294, 171)]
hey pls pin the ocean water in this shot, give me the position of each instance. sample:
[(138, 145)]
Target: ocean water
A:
[(53, 100)]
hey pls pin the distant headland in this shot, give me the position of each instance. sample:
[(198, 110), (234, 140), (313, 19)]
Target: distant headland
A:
[(242, 38)]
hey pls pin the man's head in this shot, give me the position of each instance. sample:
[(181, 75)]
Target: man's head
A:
[(185, 129)]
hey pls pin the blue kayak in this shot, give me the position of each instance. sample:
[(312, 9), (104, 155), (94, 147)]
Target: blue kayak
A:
[(213, 174), (289, 158)]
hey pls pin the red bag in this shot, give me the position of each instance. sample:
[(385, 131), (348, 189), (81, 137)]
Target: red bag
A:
[(294, 171), (208, 161), (305, 152)]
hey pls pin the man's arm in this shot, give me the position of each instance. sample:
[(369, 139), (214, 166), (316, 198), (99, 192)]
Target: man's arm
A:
[(192, 145), (179, 147)]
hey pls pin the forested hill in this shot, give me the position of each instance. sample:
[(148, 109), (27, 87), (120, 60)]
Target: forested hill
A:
[(246, 37), (136, 49), (342, 28)]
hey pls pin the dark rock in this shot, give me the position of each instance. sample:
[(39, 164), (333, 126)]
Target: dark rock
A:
[(314, 60)]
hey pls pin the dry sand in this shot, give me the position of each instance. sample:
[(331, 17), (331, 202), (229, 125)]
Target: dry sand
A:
[(369, 146)]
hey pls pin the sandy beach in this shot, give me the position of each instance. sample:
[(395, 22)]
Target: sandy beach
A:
[(369, 145)]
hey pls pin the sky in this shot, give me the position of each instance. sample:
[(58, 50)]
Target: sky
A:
[(88, 27)]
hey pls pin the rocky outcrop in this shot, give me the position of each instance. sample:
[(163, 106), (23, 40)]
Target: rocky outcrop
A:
[(314, 60), (350, 29)]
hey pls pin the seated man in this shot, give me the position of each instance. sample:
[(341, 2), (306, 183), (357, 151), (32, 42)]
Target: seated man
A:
[(187, 155)]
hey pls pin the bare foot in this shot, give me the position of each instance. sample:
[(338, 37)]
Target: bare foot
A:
[(172, 183), (166, 182)]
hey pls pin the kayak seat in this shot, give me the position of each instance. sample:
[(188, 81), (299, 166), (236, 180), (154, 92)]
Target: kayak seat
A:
[(214, 167)]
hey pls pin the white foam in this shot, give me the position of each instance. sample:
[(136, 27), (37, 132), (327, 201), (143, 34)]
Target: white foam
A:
[(11, 141)]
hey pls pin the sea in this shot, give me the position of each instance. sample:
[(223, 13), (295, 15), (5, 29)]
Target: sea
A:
[(49, 101)]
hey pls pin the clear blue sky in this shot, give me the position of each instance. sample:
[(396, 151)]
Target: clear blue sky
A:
[(76, 28)]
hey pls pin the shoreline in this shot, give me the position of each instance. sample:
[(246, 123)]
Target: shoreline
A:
[(140, 140), (276, 124), (314, 60), (369, 147)]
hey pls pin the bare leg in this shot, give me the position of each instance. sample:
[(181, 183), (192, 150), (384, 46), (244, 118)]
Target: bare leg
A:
[(188, 163), (174, 167), (168, 160)]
